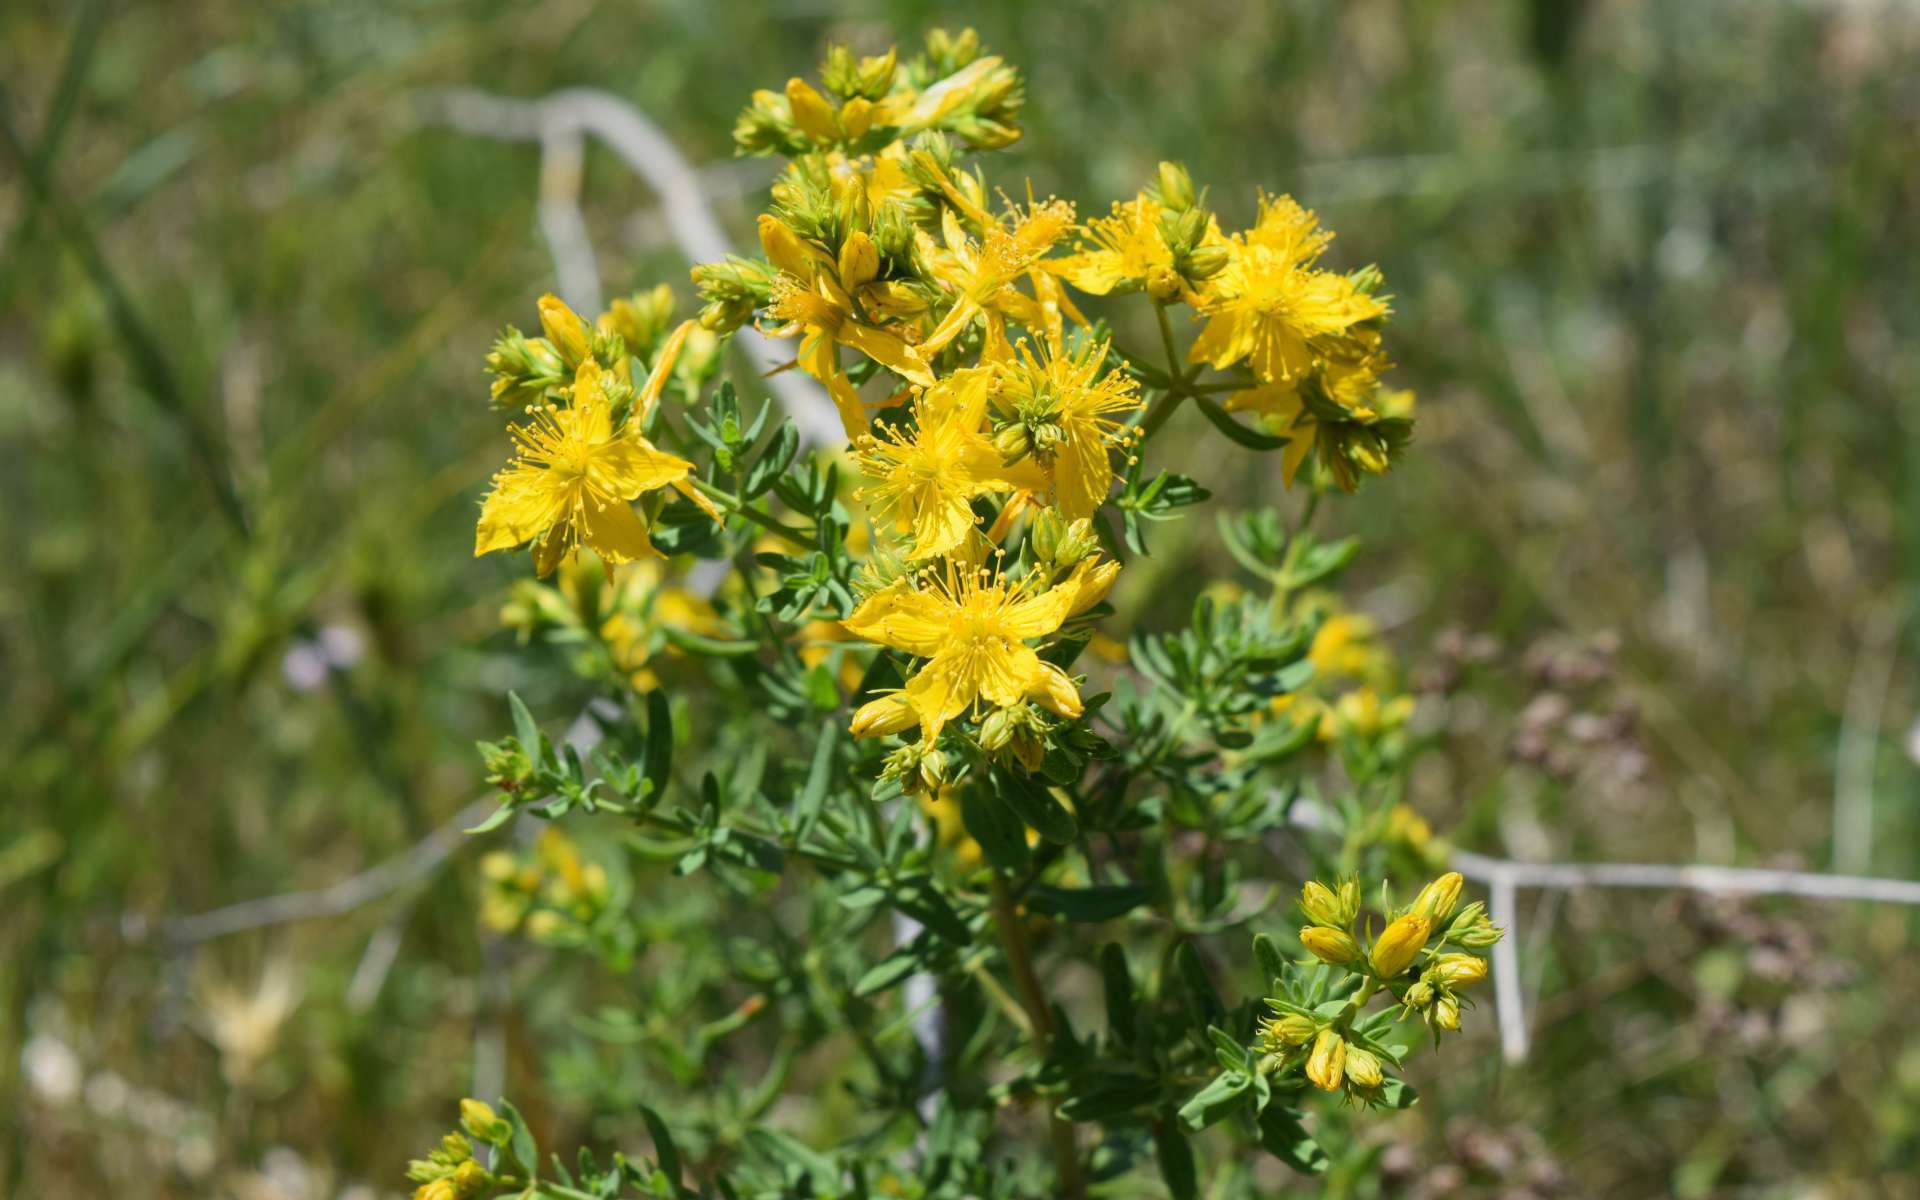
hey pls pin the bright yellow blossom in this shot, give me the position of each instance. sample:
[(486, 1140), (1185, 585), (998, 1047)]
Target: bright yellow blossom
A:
[(1269, 307), (981, 274), (575, 475), (1124, 249), (926, 479), (973, 625), (1065, 403)]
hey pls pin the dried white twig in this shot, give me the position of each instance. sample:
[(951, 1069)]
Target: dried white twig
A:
[(683, 197), (335, 899), (1504, 877)]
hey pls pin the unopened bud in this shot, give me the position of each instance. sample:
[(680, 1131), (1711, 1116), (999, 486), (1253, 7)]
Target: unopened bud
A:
[(1398, 944), (811, 112), (1175, 186), (1326, 1066), (1458, 970), (1472, 929), (1207, 261), (997, 730), (889, 714), (1363, 1068), (1334, 947), (859, 260), (1446, 1014), (1291, 1030), (479, 1120), (1324, 907), (1419, 995), (1012, 442), (1435, 901), (564, 328)]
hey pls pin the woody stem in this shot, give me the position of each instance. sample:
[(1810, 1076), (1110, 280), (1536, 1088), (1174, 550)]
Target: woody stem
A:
[(1013, 939)]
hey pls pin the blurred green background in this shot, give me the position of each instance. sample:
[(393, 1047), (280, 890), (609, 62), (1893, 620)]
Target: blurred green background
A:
[(1652, 558)]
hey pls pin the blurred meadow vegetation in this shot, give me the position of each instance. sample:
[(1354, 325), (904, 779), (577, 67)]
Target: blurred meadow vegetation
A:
[(1652, 566)]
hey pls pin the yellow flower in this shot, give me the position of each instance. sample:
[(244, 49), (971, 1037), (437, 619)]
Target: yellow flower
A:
[(972, 627), (575, 475), (1345, 645), (1363, 714), (1269, 307), (1459, 970), (1325, 906), (927, 479), (1330, 946), (1337, 411), (1326, 1066), (1398, 944), (981, 274), (1124, 250), (1064, 406), (809, 300)]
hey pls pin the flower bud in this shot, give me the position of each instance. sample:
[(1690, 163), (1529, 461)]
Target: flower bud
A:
[(1419, 995), (1206, 261), (1012, 442), (1398, 944), (1291, 1030), (1326, 1066), (1324, 907), (1363, 1068), (1175, 186), (1164, 284), (856, 116), (933, 769), (564, 328), (480, 1121), (997, 730), (1459, 970), (859, 260), (1445, 1014), (1334, 947), (1435, 901), (470, 1179), (889, 714), (1472, 929), (811, 112)]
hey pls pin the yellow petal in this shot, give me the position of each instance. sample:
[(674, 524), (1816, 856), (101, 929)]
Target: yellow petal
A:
[(785, 250), (699, 499), (526, 501), (916, 622), (1007, 673), (1090, 584), (611, 529), (1053, 689), (628, 466), (939, 692), (662, 368), (1039, 615), (1082, 472), (888, 350)]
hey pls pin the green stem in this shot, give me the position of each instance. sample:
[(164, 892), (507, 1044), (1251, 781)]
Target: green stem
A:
[(739, 507), (1013, 938)]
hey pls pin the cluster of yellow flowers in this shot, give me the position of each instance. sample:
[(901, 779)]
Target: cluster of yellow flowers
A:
[(547, 891), (1330, 1050), (450, 1171), (1354, 690), (978, 399)]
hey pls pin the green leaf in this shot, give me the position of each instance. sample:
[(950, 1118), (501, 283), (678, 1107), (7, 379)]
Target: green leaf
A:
[(1001, 834), (767, 468), (920, 899), (1088, 903), (1282, 1135), (1118, 982), (813, 795), (1104, 1097), (1210, 1009), (496, 819), (525, 728), (1036, 804), (657, 762), (1222, 420), (520, 1147), (1216, 1101), (1272, 963), (1176, 1161), (663, 1148)]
